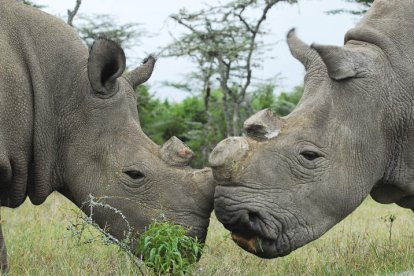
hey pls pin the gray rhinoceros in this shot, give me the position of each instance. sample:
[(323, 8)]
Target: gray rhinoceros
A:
[(352, 134), (69, 123)]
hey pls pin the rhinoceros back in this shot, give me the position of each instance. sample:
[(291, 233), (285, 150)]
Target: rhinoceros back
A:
[(36, 51), (389, 25)]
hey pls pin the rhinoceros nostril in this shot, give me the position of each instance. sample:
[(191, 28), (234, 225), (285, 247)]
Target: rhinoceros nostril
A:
[(243, 223)]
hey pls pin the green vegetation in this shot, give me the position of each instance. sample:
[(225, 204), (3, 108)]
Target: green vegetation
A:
[(188, 120), (92, 26), (225, 43), (40, 244), (166, 248)]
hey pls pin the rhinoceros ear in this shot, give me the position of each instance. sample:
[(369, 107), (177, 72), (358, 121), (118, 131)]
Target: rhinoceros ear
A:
[(143, 72), (176, 153), (106, 63), (340, 62)]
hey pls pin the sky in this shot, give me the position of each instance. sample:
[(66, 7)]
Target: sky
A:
[(309, 17)]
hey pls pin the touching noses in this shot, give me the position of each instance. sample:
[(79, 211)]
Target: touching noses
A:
[(226, 155)]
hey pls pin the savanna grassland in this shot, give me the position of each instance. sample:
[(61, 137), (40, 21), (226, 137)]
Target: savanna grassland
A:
[(40, 244)]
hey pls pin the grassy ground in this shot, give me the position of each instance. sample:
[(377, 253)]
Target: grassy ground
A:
[(39, 244)]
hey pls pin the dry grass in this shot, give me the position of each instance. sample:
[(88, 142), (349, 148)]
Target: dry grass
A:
[(39, 244)]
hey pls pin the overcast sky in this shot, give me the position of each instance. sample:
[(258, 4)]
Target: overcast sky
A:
[(308, 17)]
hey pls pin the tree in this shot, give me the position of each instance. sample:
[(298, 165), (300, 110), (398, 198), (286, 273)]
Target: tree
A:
[(365, 5), (224, 42), (282, 105), (31, 3), (90, 27), (72, 13), (287, 101), (93, 26), (161, 119), (187, 119)]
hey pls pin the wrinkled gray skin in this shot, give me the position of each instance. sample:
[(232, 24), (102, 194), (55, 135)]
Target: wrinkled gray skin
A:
[(69, 123), (352, 134)]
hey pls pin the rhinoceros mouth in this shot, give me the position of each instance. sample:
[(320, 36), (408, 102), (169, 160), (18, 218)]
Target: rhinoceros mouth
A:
[(261, 247), (248, 225), (248, 244)]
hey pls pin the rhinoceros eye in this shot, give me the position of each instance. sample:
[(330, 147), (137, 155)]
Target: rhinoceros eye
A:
[(310, 155), (135, 175)]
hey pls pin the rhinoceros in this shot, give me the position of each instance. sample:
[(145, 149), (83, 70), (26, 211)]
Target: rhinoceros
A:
[(69, 123), (351, 135)]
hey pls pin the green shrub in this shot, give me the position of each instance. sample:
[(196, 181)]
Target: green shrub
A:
[(167, 249), (164, 247)]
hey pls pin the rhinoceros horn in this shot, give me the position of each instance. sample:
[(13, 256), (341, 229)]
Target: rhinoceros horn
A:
[(301, 51), (340, 62), (142, 73), (176, 153), (264, 125)]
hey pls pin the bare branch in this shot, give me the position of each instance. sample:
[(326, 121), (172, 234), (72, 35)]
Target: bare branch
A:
[(72, 13), (255, 31)]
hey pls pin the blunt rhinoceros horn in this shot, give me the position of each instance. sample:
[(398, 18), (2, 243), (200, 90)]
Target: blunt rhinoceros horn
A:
[(340, 62), (142, 73), (300, 50), (176, 153), (264, 125), (225, 155)]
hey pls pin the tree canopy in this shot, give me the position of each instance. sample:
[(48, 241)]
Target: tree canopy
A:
[(225, 44)]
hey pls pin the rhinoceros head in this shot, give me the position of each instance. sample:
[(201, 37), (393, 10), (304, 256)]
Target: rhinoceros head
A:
[(105, 153), (293, 178)]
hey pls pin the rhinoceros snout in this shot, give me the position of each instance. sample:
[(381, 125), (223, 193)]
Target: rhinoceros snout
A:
[(225, 155)]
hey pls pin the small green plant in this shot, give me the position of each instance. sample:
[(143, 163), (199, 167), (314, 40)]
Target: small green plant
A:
[(164, 247), (167, 249)]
